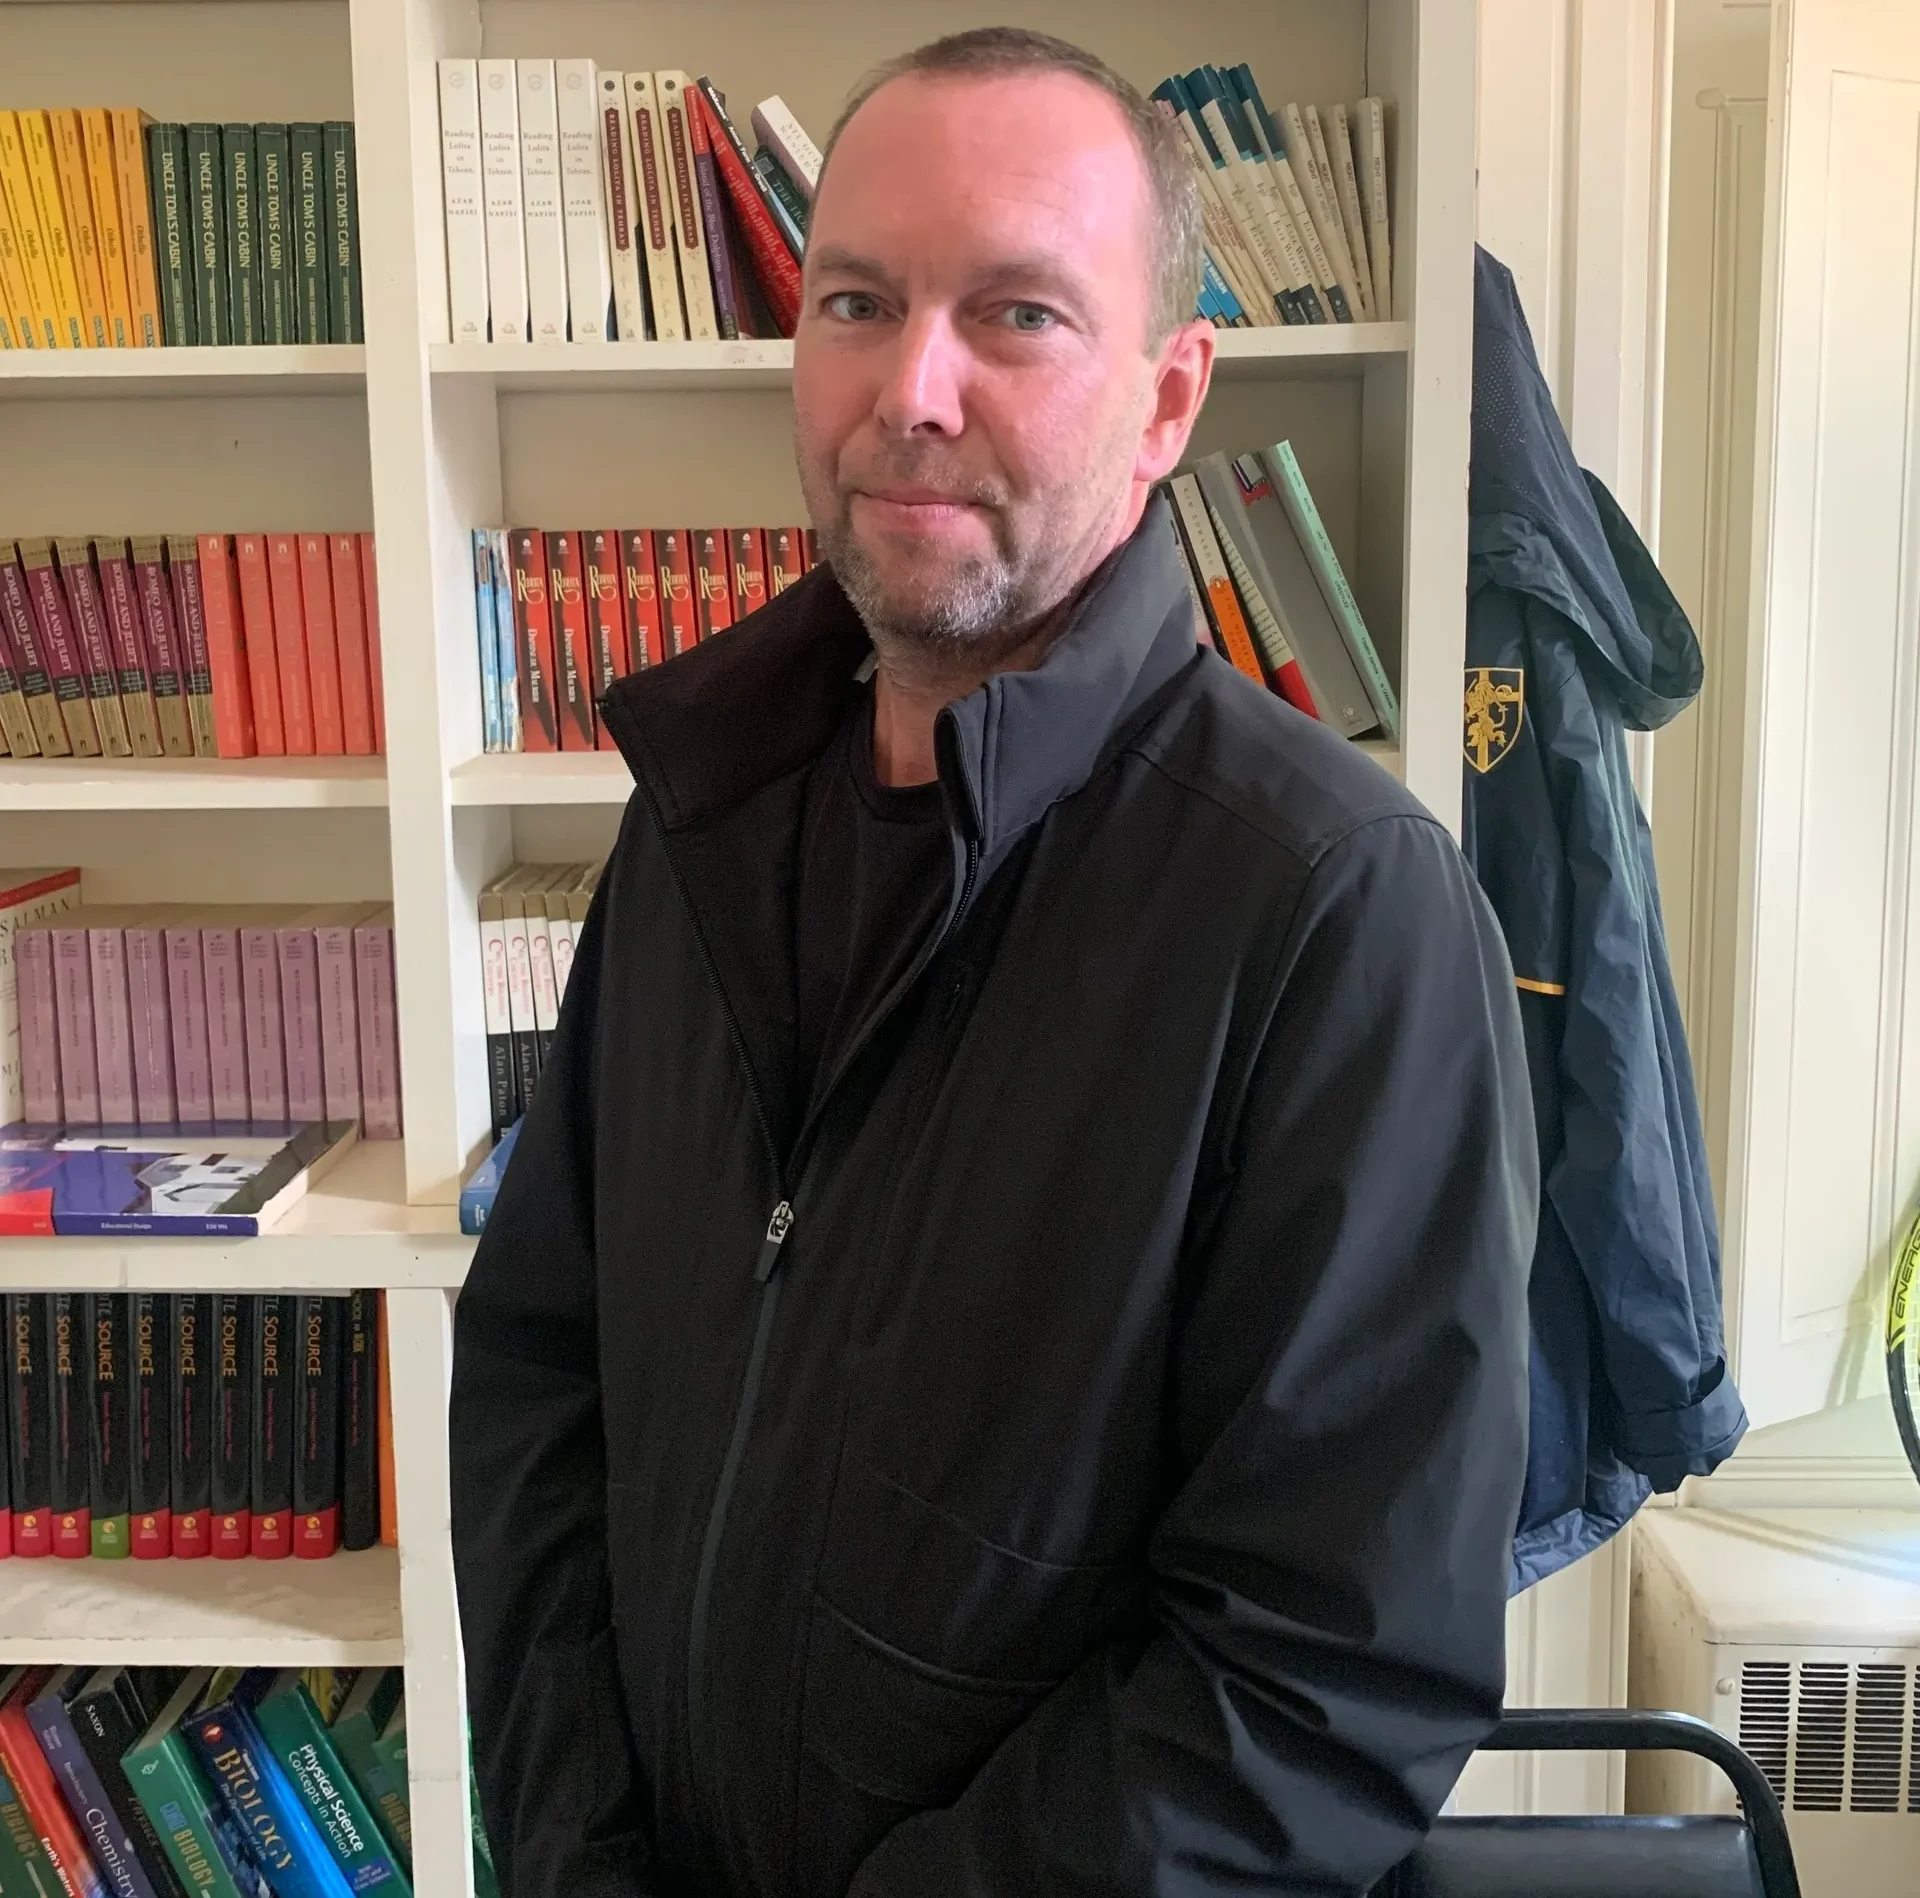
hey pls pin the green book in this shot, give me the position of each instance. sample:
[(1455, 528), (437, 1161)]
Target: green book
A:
[(390, 1750), (275, 224), (486, 1881), (241, 179), (344, 324), (23, 1862), (307, 166), (291, 1726), (355, 1732), (782, 187), (167, 1782), (172, 232), (207, 230)]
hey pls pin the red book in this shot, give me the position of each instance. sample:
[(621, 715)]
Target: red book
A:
[(646, 636), (226, 648), (573, 689), (323, 650), (713, 585), (26, 1766), (786, 558), (263, 669), (370, 598), (350, 633), (290, 643), (810, 545), (772, 262), (606, 619), (533, 640), (679, 614), (748, 548)]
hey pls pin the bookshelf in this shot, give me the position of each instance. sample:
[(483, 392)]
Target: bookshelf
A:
[(420, 440)]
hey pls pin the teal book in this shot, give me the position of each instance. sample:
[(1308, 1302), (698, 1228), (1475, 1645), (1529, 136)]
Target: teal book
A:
[(23, 1864), (296, 1736), (390, 1750), (775, 176), (240, 178), (355, 1732), (172, 233), (307, 166), (207, 209), (275, 226), (486, 1880), (344, 322)]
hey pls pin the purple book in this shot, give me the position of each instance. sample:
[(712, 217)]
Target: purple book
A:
[(30, 660), (187, 1006), (379, 1035), (59, 647), (226, 1019), (300, 1009), (265, 1021), (154, 1097), (112, 1022), (132, 668), (726, 297), (73, 1012), (339, 1016), (39, 1038), (190, 616), (167, 668), (95, 645)]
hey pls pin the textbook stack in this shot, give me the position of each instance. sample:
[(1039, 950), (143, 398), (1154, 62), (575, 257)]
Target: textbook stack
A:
[(1269, 591), (187, 1424), (190, 646), (585, 205), (562, 613), (116, 233)]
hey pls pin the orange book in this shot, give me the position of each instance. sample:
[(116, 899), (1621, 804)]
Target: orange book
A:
[(678, 612), (226, 649), (70, 163), (136, 223), (370, 598), (713, 589), (256, 619), (103, 178), (573, 683), (646, 638), (323, 647), (389, 1501), (350, 633), (290, 644), (786, 558)]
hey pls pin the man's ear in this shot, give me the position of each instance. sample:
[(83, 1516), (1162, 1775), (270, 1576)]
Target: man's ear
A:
[(1180, 387)]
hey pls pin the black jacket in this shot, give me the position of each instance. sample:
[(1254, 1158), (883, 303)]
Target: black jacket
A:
[(1082, 1459), (1572, 639)]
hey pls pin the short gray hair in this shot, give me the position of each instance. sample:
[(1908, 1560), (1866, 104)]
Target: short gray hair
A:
[(1176, 237)]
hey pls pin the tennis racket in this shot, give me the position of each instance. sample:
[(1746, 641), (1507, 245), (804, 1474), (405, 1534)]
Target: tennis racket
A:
[(1903, 1344)]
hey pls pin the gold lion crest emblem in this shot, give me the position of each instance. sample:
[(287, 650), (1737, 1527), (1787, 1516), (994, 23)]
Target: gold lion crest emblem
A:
[(1495, 705)]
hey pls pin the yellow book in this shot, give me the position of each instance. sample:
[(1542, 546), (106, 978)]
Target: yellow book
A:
[(136, 223), (16, 306), (26, 231), (36, 139), (103, 180), (70, 162)]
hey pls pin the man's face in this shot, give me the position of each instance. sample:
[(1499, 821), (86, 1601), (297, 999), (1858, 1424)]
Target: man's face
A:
[(971, 381)]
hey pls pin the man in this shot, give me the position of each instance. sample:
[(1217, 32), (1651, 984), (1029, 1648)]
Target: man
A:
[(998, 1368)]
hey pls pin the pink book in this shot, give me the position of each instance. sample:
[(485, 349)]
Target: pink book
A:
[(73, 1011), (379, 1035), (300, 1009), (265, 1019), (39, 1038), (112, 1022), (339, 1013), (187, 1007), (154, 1098), (95, 642), (226, 1019)]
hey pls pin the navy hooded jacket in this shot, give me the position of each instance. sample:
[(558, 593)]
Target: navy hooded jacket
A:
[(1573, 638)]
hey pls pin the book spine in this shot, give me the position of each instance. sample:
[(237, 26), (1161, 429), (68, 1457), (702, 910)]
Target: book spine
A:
[(500, 191), (786, 560), (533, 640), (103, 180), (290, 644), (713, 592), (546, 987), (43, 177), (191, 1432), (253, 608), (379, 1035), (462, 202), (319, 1336), (292, 1728), (150, 1466), (505, 653), (95, 649), (689, 230), (290, 1855), (150, 1017), (679, 615), (109, 1843), (41, 1101), (306, 168), (264, 1017), (168, 669), (18, 328), (640, 585), (502, 1076), (136, 224), (389, 1491), (589, 276), (323, 649), (187, 1018), (542, 220), (1375, 202), (226, 1020), (35, 673), (230, 1473), (1339, 136), (747, 552), (566, 589), (190, 606), (491, 731), (780, 133), (273, 1432), (350, 639), (207, 235), (755, 208), (72, 1435), (73, 1011), (127, 638), (339, 1021), (70, 166), (57, 642), (1316, 191), (359, 1425), (240, 187), (713, 221), (370, 603), (112, 1024), (16, 726), (1221, 494), (606, 620), (1347, 267), (29, 1391), (1216, 581), (231, 693), (110, 1438), (176, 1801), (520, 1011), (173, 234), (274, 193), (26, 1767), (21, 1860), (653, 210), (344, 321), (773, 175), (17, 190), (300, 1010), (619, 188)]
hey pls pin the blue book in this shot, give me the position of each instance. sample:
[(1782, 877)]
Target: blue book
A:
[(93, 1807), (490, 732), (477, 1196), (506, 655), (1217, 287), (291, 1853)]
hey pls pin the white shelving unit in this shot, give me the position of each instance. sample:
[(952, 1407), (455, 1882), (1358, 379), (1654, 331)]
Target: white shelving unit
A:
[(420, 440)]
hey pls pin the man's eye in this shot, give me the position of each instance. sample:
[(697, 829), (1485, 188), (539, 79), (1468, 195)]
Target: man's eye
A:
[(1031, 317), (854, 306)]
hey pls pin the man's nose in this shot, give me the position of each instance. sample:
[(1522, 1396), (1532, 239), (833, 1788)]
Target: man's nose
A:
[(921, 392)]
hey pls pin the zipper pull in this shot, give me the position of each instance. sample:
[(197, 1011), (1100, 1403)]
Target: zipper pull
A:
[(777, 1229)]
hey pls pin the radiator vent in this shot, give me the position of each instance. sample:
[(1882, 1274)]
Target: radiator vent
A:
[(1834, 1736)]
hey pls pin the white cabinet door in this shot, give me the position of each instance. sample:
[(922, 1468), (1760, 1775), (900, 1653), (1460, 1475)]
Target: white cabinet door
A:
[(1825, 1125)]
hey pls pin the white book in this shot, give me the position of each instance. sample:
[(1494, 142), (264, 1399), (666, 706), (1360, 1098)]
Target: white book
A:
[(540, 202), (560, 928), (1319, 268), (1288, 253), (1253, 289), (689, 227), (546, 993), (500, 180), (1318, 193), (463, 200), (786, 138), (617, 195), (1223, 236), (1357, 297), (493, 967), (1347, 187), (1370, 117), (655, 213), (519, 956), (576, 92)]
